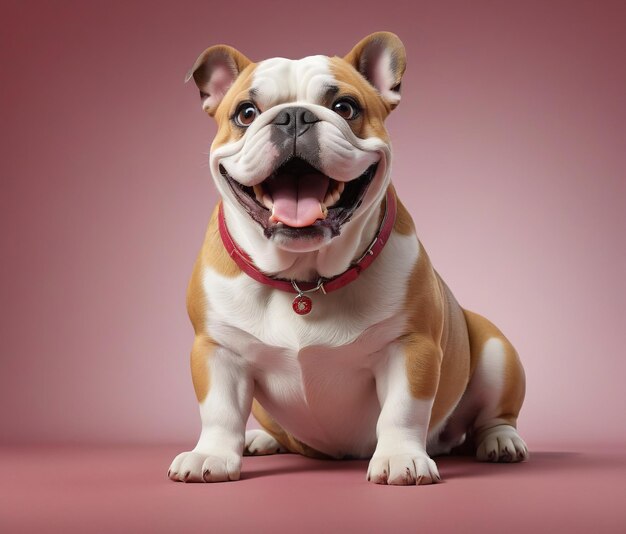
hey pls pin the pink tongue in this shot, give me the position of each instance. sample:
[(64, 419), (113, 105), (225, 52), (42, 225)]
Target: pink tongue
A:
[(297, 199)]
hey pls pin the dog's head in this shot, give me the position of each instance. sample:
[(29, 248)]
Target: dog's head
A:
[(301, 148)]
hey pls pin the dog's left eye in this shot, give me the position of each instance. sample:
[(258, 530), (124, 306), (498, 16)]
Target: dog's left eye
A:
[(245, 114), (346, 108)]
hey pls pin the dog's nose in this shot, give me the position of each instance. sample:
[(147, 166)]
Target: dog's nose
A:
[(295, 120)]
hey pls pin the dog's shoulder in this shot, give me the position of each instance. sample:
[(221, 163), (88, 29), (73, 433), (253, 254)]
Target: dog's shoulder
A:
[(214, 256)]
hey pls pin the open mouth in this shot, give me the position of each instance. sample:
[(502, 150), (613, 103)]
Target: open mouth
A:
[(299, 200)]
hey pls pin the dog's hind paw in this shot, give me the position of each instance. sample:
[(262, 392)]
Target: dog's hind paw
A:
[(259, 443), (501, 443)]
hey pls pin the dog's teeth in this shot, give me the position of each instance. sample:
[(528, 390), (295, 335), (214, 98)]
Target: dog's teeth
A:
[(333, 196), (274, 219), (330, 202), (324, 210), (258, 191), (262, 196)]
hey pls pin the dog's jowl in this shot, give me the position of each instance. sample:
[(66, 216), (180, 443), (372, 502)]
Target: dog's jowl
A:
[(314, 304)]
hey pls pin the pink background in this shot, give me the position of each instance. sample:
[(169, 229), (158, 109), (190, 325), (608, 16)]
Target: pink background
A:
[(509, 152)]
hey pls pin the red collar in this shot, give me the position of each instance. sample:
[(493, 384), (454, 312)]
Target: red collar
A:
[(325, 285)]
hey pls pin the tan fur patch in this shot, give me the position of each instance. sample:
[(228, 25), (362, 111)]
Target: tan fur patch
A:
[(404, 224), (196, 301), (424, 309), (203, 347), (228, 131), (455, 365), (424, 303), (370, 123), (213, 255), (423, 361), (436, 346), (514, 386)]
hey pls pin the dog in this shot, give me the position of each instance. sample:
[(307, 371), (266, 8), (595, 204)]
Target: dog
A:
[(313, 302)]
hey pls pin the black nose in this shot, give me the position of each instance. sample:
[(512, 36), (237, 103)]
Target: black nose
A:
[(294, 121)]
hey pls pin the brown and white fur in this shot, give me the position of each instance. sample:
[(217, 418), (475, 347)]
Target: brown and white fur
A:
[(389, 367)]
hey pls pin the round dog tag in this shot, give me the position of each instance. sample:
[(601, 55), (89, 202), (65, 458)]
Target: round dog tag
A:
[(302, 304)]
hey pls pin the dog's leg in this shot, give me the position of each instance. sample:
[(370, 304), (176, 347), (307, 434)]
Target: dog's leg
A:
[(224, 387), (406, 383), (497, 390)]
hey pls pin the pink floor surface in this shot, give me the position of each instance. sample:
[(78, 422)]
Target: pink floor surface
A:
[(125, 489)]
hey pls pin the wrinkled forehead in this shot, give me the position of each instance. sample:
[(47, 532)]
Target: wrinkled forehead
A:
[(314, 80), (279, 80)]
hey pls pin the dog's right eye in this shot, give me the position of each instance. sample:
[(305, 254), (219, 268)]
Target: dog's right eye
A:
[(245, 114)]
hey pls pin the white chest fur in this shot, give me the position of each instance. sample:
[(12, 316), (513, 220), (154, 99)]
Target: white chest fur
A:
[(313, 372)]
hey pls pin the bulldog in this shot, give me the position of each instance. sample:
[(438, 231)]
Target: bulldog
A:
[(313, 302)]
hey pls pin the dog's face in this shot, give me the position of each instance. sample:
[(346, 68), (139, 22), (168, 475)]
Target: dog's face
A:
[(301, 148)]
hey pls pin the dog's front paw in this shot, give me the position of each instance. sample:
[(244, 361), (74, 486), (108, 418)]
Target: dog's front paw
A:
[(199, 467), (403, 469)]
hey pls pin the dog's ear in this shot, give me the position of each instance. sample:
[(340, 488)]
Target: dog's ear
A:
[(214, 72), (381, 59)]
